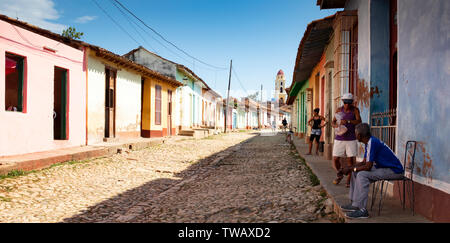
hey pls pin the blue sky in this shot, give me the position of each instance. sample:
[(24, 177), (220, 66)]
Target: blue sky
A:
[(260, 36)]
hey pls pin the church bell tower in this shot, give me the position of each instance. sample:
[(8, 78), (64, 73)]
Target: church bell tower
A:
[(280, 92)]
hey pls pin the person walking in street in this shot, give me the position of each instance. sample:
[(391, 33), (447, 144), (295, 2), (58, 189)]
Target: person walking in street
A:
[(316, 130), (379, 163), (284, 122), (345, 144)]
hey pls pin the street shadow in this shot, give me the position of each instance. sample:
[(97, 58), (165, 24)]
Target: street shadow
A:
[(131, 204)]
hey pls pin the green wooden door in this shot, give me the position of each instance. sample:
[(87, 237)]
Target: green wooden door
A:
[(60, 104)]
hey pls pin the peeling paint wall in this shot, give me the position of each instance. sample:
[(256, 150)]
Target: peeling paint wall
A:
[(364, 53), (379, 55), (373, 55), (423, 84)]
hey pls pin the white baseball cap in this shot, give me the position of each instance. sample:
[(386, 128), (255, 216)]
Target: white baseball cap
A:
[(347, 96)]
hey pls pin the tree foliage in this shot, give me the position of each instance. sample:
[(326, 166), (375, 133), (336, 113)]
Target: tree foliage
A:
[(72, 33), (254, 96)]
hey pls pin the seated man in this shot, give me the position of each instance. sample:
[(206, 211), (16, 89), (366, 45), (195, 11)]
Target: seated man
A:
[(379, 163)]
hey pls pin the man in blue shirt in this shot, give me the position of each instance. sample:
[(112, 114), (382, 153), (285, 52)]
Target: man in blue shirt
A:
[(379, 163)]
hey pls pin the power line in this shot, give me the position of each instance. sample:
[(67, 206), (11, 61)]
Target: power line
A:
[(132, 25), (159, 42), (162, 37), (132, 21), (240, 83), (115, 21)]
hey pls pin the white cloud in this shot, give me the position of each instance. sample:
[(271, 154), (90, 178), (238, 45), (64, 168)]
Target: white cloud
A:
[(41, 13), (85, 19)]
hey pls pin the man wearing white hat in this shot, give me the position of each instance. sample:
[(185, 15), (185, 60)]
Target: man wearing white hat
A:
[(345, 143)]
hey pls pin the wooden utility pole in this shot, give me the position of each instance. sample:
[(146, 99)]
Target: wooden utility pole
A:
[(261, 92), (228, 96), (260, 110)]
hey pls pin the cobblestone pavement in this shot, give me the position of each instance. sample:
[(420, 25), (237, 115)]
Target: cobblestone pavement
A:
[(237, 177)]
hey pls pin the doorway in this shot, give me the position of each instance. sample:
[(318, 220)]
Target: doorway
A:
[(169, 113), (393, 55), (60, 104), (110, 103)]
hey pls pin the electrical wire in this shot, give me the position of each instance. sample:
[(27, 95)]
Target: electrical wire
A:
[(240, 83), (104, 11), (131, 21), (163, 38), (132, 25), (128, 18)]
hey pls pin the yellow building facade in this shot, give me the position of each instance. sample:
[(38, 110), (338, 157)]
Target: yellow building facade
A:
[(158, 105)]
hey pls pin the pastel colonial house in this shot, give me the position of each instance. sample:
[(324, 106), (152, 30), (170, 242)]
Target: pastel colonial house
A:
[(237, 114), (195, 104), (194, 95), (163, 96), (209, 109), (126, 99), (251, 113), (159, 105), (42, 90)]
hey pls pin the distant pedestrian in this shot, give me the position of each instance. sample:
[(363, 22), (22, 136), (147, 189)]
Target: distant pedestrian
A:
[(316, 129), (345, 144), (274, 125), (284, 122), (379, 163)]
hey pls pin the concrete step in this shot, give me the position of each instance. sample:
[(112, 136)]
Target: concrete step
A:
[(186, 133), (197, 132)]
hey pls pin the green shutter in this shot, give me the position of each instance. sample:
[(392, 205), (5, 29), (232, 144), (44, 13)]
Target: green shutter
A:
[(64, 105), (20, 63)]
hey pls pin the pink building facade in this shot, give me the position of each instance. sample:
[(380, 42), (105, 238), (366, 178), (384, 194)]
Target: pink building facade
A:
[(42, 90)]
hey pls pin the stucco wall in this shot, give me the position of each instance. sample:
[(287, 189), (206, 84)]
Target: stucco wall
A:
[(32, 131), (423, 85), (220, 115), (185, 105), (96, 100), (128, 103)]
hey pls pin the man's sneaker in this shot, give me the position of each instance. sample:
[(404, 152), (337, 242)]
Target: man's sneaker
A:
[(349, 208), (358, 214)]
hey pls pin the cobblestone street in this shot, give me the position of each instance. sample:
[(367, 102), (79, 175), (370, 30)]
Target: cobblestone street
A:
[(237, 177)]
